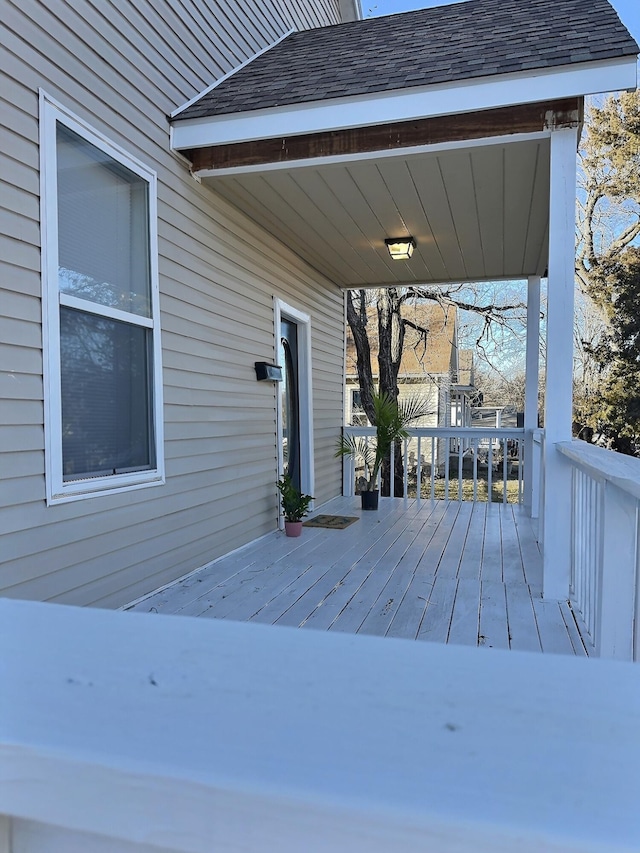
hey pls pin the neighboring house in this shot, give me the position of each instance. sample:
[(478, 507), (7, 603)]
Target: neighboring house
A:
[(180, 202), (465, 394), (431, 367)]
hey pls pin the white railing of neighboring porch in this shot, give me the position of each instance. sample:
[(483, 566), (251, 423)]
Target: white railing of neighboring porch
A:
[(126, 731), (438, 460), (605, 568)]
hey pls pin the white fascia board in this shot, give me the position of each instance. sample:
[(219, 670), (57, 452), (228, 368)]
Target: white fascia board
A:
[(522, 87), (231, 73)]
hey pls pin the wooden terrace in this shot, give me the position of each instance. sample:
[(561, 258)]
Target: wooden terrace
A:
[(440, 571)]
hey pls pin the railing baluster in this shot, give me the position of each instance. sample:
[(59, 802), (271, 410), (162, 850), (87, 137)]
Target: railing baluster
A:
[(505, 468), (447, 457), (520, 470), (475, 445), (575, 521), (419, 470), (392, 471), (587, 533), (434, 444), (490, 472), (405, 468)]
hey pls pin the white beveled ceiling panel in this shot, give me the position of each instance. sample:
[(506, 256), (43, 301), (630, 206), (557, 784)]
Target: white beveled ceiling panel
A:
[(477, 213)]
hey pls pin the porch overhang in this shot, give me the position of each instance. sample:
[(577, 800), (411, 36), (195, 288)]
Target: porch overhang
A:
[(470, 185), (435, 124), (472, 189)]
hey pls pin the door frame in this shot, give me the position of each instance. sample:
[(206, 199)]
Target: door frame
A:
[(302, 320)]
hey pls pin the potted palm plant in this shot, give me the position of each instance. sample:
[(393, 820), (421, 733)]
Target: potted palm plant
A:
[(391, 419), (295, 505)]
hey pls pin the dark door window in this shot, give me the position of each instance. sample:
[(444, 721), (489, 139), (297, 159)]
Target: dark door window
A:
[(290, 401)]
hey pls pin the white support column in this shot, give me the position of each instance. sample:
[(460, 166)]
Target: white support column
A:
[(531, 386), (556, 521)]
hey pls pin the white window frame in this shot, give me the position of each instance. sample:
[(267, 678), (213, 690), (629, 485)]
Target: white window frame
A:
[(57, 489)]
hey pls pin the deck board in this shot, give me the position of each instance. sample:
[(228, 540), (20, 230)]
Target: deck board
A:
[(437, 571), (491, 567), (494, 632), (554, 637), (471, 562), (437, 617), (523, 628), (512, 566), (529, 552), (452, 554), (466, 613)]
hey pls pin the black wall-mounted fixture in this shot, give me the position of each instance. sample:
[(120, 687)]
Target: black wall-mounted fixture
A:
[(268, 372)]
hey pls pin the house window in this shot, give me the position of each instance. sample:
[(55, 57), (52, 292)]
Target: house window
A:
[(103, 380), (358, 416)]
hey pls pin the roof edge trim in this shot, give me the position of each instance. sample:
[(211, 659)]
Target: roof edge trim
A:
[(449, 98), (233, 71)]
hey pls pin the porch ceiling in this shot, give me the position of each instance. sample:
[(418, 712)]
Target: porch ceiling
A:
[(478, 211)]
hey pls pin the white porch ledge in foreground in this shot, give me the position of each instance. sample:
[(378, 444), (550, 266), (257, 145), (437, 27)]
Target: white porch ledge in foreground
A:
[(131, 732)]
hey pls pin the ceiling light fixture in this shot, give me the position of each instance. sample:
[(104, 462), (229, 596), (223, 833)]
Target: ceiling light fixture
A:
[(400, 248)]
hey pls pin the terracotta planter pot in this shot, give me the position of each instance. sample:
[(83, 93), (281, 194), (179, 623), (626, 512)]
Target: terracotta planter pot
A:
[(370, 499), (293, 528)]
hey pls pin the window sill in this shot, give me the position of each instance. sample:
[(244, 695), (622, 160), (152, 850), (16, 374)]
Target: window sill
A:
[(100, 486)]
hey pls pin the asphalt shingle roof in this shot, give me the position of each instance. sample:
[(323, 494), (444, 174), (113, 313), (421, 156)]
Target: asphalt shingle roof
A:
[(470, 39)]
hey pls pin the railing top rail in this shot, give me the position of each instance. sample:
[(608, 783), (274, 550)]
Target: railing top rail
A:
[(216, 727), (447, 432), (605, 465)]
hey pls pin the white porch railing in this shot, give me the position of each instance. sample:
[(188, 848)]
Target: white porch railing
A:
[(124, 732), (458, 463), (605, 569)]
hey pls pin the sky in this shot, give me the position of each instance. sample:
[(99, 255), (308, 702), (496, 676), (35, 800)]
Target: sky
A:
[(628, 10)]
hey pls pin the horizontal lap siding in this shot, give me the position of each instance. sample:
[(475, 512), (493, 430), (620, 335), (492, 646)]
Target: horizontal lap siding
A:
[(124, 67)]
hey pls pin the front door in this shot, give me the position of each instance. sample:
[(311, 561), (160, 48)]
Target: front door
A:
[(290, 415)]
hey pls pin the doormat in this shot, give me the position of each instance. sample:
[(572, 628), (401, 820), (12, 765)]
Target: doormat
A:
[(335, 522)]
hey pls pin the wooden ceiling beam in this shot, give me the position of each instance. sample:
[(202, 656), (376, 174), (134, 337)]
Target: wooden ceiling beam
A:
[(523, 118)]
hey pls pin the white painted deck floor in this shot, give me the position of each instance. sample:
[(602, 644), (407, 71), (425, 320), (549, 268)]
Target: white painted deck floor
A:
[(438, 571)]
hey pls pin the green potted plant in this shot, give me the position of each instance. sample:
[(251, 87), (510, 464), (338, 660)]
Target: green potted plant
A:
[(391, 419), (295, 505)]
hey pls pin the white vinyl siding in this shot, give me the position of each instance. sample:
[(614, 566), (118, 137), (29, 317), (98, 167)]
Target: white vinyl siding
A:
[(122, 68)]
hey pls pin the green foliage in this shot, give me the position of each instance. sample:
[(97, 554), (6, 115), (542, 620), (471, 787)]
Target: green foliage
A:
[(391, 419), (607, 402), (613, 410), (295, 504), (613, 144)]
